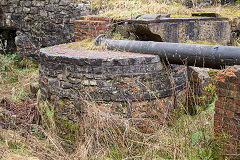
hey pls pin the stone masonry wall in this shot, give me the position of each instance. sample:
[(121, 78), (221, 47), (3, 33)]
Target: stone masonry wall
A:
[(40, 23), (117, 85), (207, 3), (179, 30), (227, 110), (236, 29)]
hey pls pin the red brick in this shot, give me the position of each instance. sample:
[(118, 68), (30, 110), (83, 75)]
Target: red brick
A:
[(81, 26), (233, 133), (226, 120), (217, 130), (81, 22), (221, 92), (237, 102), (218, 104), (229, 100), (100, 27), (97, 18), (98, 23), (234, 108), (225, 126), (219, 111), (229, 113), (218, 118), (233, 121), (77, 34), (85, 31), (230, 149), (233, 79), (221, 84), (237, 73), (217, 124), (221, 98), (233, 94)]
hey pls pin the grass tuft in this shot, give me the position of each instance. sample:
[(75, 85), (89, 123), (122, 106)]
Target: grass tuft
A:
[(126, 9), (15, 77)]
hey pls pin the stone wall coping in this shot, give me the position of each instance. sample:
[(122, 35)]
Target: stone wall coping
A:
[(172, 20), (78, 52), (80, 56)]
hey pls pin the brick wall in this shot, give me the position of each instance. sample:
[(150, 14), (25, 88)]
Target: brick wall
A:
[(227, 111), (91, 26)]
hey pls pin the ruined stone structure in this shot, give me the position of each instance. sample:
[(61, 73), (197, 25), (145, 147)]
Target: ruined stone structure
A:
[(121, 85), (177, 30), (207, 3), (227, 110), (39, 23), (236, 28)]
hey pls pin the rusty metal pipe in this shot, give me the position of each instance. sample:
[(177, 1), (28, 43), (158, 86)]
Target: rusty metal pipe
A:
[(209, 56)]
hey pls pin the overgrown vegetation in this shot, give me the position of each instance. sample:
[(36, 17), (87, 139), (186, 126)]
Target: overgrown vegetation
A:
[(186, 137), (126, 9)]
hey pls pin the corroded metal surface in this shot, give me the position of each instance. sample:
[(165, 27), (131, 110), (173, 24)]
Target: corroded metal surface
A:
[(210, 56)]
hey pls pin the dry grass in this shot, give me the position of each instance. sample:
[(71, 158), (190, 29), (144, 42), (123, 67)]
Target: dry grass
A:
[(126, 8), (15, 79), (190, 137)]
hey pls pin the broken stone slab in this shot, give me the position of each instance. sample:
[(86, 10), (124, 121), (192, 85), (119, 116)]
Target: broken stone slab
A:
[(205, 15), (198, 78), (151, 16), (34, 86), (136, 16), (155, 16)]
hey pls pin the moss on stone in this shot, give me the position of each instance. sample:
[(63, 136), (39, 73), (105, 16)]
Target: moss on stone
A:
[(87, 44), (203, 42)]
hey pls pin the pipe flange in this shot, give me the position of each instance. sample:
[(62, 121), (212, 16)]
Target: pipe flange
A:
[(100, 39)]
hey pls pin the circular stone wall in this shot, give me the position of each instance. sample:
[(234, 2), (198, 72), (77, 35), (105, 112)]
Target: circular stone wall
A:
[(119, 84)]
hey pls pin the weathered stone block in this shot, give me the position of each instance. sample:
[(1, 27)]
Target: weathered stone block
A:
[(3, 2)]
